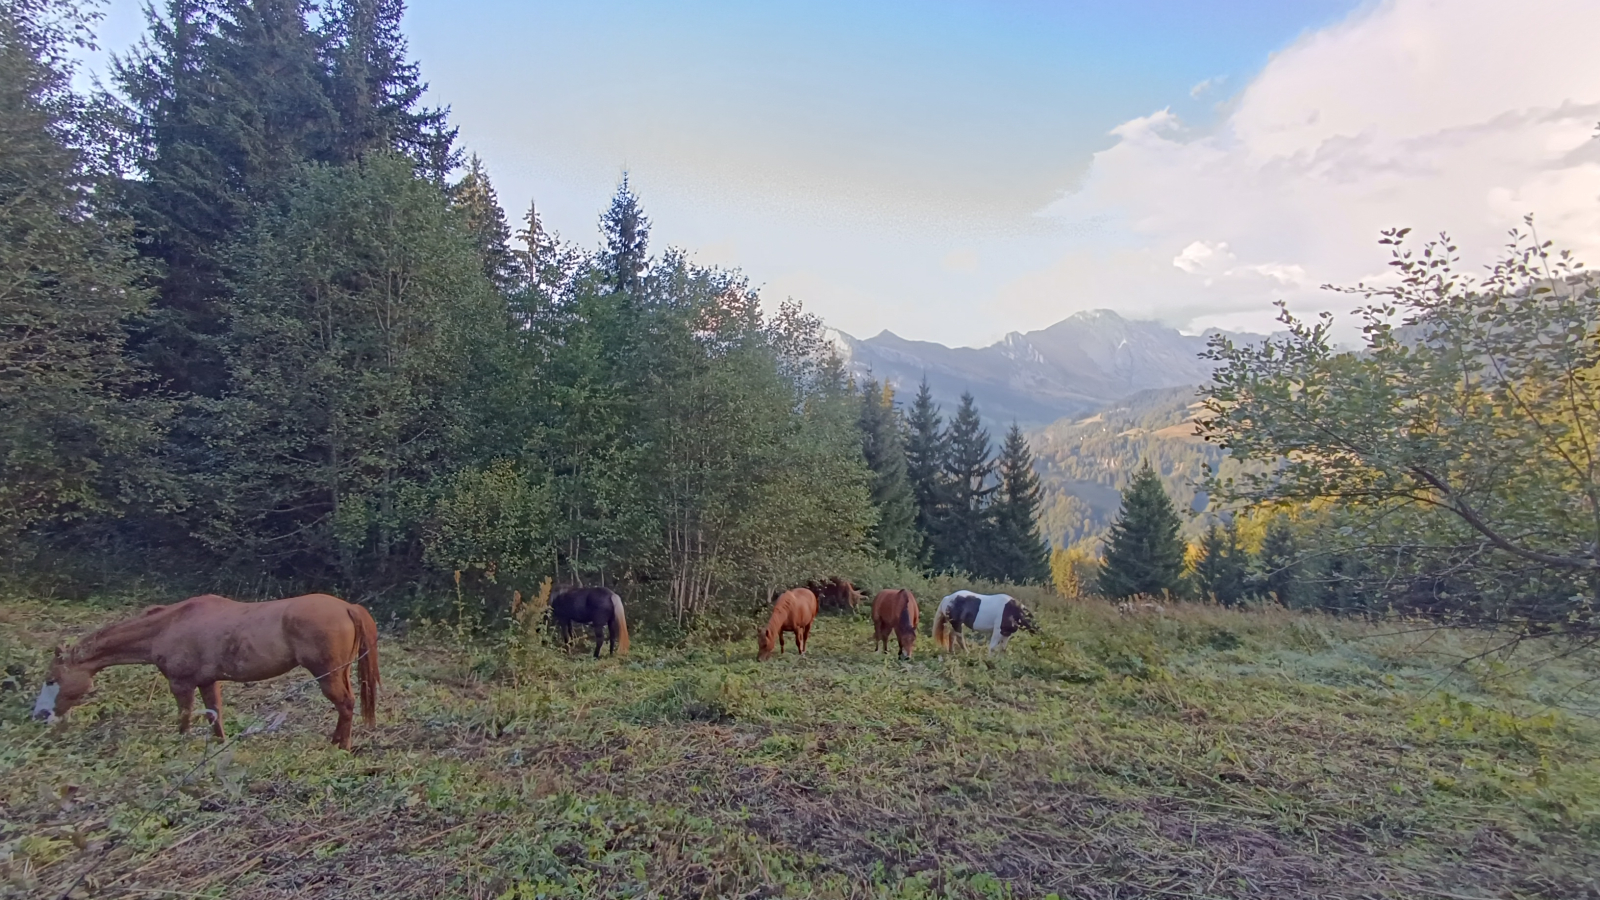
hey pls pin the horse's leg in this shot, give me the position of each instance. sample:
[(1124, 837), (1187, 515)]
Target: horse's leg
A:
[(801, 637), (599, 632), (212, 695), (997, 641), (336, 687), (184, 694)]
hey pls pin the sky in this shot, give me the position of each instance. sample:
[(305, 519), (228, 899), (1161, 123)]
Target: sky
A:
[(954, 170)]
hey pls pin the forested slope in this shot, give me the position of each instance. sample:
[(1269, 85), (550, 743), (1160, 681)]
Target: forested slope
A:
[(1085, 462)]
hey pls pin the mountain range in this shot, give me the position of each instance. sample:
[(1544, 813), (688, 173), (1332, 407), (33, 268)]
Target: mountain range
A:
[(1078, 365)]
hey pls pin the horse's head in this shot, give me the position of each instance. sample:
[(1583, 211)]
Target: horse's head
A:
[(764, 645), (1017, 617), (64, 688), (908, 639)]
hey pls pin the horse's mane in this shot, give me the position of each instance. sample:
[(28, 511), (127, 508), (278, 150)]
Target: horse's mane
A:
[(904, 598), (780, 612), (95, 640)]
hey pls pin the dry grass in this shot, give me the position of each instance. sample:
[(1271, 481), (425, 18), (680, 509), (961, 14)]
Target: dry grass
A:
[(1194, 753)]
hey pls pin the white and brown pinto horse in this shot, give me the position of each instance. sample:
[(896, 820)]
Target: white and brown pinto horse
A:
[(1000, 614), (206, 640)]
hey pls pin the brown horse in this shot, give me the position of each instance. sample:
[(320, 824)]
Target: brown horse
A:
[(894, 612), (794, 611), (209, 639), (835, 593)]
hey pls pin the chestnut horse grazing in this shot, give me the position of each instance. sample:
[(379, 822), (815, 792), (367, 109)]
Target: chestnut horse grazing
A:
[(894, 612), (794, 611), (209, 639)]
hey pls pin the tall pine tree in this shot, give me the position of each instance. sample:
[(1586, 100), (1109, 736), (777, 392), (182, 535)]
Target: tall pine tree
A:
[(969, 539), (883, 445), (1144, 554), (68, 285), (1019, 552), (226, 100), (926, 451), (1221, 572), (1280, 565), (376, 89), (474, 197), (626, 253)]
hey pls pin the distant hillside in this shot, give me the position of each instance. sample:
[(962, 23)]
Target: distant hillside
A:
[(1076, 366), (1083, 462)]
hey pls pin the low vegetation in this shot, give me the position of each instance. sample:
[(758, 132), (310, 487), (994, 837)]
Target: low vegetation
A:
[(1191, 751)]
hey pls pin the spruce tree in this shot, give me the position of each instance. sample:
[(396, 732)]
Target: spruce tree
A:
[(969, 472), (926, 451), (1222, 570), (375, 88), (626, 253), (474, 197), (545, 262), (226, 100), (1020, 553), (883, 446), (68, 284), (1144, 554), (1280, 565)]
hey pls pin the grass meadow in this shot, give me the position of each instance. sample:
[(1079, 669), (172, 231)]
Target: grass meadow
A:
[(1192, 752)]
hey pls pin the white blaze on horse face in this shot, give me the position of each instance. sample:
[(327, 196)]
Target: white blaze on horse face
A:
[(45, 707)]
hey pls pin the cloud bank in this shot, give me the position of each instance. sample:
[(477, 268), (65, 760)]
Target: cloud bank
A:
[(1461, 116)]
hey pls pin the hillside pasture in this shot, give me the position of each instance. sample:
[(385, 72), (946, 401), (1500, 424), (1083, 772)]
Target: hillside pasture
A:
[(1197, 752)]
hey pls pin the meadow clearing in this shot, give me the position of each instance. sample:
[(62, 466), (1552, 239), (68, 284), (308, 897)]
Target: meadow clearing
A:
[(1198, 752)]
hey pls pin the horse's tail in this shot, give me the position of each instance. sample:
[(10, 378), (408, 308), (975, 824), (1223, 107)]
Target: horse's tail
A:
[(619, 621), (941, 627), (367, 662)]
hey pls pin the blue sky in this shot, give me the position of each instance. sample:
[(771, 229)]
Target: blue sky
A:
[(946, 170)]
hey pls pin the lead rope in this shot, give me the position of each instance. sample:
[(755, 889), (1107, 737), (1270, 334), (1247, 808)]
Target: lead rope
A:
[(116, 841)]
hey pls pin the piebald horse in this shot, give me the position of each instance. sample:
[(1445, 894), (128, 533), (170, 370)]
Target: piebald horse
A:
[(599, 608), (206, 640), (894, 612), (794, 612), (1000, 614)]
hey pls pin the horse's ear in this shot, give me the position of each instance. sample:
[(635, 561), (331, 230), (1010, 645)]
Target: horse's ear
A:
[(61, 651)]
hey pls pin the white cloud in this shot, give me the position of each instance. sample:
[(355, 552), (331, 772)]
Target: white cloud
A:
[(1207, 85), (1461, 116), (1201, 256)]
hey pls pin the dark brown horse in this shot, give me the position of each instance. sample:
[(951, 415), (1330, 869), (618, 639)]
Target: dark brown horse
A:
[(835, 593), (597, 607), (207, 640), (794, 611), (894, 612)]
